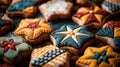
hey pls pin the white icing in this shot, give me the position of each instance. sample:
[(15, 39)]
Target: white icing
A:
[(5, 17), (91, 11), (56, 7), (73, 36)]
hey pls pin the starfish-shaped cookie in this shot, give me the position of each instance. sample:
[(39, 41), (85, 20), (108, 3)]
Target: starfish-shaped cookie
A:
[(72, 33), (87, 15), (32, 28), (99, 57), (69, 35)]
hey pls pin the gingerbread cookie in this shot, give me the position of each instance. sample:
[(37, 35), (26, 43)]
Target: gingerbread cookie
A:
[(90, 16), (4, 4), (5, 24), (33, 30), (99, 57), (13, 49), (56, 9), (111, 5), (72, 38), (110, 34), (24, 8), (49, 56)]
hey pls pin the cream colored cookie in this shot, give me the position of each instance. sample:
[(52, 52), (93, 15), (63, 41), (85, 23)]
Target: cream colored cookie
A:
[(56, 9)]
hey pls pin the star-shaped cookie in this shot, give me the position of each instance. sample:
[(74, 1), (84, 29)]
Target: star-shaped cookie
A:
[(110, 34), (99, 57), (56, 9), (23, 8), (13, 49), (90, 16), (33, 30), (71, 36)]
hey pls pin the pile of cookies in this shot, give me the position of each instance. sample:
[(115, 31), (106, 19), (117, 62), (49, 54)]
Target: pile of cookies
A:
[(91, 39)]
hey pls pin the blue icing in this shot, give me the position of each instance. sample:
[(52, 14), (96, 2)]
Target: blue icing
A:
[(70, 41), (111, 7), (100, 57), (106, 32), (21, 5), (117, 41), (2, 22)]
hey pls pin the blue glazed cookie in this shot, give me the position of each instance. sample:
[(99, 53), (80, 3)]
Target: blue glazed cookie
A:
[(73, 38), (111, 5), (24, 8), (49, 56), (110, 34)]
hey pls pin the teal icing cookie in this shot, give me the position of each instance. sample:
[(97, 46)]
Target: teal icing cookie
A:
[(111, 33), (70, 35), (19, 6), (11, 48)]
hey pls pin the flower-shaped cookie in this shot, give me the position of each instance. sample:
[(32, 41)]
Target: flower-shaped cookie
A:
[(13, 49), (99, 57), (110, 34), (5, 23), (33, 30), (111, 5), (24, 8), (56, 9), (76, 37), (91, 16), (49, 56)]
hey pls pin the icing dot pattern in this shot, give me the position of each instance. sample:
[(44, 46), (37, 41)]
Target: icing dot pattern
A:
[(47, 57)]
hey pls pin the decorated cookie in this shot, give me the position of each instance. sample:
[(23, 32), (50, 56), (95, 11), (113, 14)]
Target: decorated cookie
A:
[(56, 9), (13, 49), (4, 4), (33, 30), (90, 16), (72, 38), (99, 57), (110, 34), (24, 8), (111, 5), (49, 56), (5, 24)]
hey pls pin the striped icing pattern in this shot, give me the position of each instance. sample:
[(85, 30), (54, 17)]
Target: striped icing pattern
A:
[(111, 6), (47, 57)]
